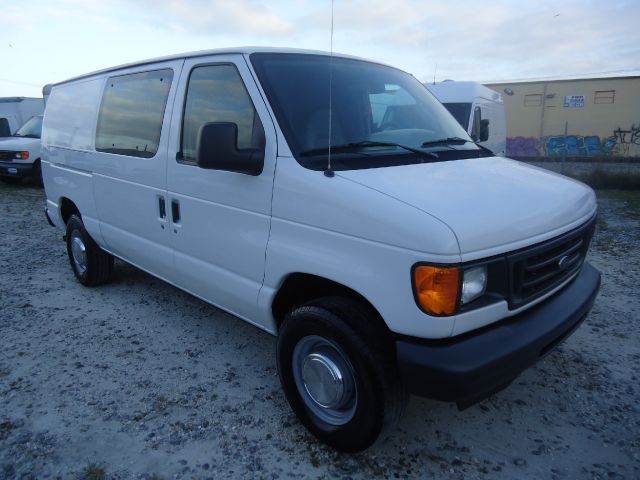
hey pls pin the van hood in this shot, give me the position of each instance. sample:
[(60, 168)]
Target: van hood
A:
[(18, 143), (492, 204)]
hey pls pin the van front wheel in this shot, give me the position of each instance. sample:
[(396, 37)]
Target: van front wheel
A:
[(338, 379), (90, 264)]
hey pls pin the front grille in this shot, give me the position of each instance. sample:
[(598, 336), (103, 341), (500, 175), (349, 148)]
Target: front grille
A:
[(7, 155), (539, 269)]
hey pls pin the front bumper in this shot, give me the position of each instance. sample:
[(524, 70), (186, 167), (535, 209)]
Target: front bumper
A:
[(469, 368), (11, 169)]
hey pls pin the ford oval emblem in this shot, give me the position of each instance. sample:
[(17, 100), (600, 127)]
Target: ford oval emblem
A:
[(563, 263)]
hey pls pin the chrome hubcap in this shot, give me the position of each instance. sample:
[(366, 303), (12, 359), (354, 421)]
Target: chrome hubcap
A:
[(78, 252), (325, 379)]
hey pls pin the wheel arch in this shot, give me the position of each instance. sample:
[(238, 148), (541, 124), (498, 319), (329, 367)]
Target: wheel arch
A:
[(299, 288), (68, 208)]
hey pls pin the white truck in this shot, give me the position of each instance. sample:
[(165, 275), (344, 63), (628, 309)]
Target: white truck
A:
[(15, 111), (20, 153), (477, 108), (387, 251)]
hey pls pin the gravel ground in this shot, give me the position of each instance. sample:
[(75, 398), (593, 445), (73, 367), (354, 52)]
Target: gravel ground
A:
[(139, 380)]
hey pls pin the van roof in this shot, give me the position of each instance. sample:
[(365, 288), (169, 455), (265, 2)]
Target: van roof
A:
[(450, 91), (203, 53)]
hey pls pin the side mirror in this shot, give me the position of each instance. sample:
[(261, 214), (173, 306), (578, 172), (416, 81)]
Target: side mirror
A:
[(484, 129), (217, 150)]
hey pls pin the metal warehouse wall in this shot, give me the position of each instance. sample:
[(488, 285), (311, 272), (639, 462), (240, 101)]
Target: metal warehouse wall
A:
[(583, 118)]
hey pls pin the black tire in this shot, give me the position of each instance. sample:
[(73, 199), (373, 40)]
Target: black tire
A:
[(11, 180), (37, 173), (90, 264), (350, 330)]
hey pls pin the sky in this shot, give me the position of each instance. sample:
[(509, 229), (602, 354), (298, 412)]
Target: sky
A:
[(46, 41)]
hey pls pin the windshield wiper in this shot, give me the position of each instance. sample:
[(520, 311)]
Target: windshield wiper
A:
[(453, 141), (366, 143), (446, 141)]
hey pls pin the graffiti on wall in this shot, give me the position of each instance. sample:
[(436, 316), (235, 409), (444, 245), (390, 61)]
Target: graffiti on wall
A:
[(623, 143), (628, 140), (522, 147), (578, 145)]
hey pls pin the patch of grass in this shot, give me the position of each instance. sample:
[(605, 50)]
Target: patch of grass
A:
[(630, 199), (94, 471), (600, 178)]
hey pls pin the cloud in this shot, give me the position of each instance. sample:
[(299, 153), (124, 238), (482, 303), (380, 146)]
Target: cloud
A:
[(471, 40), (467, 40), (216, 17)]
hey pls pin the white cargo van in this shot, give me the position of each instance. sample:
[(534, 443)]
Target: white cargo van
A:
[(405, 259), (478, 109)]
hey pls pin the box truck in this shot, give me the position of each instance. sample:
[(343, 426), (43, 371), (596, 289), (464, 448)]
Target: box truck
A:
[(15, 111), (477, 108)]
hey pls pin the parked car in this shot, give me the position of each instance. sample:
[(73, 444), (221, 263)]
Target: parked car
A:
[(20, 153), (388, 252), (478, 109)]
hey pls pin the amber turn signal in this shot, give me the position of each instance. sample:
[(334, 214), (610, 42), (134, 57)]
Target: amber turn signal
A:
[(437, 289)]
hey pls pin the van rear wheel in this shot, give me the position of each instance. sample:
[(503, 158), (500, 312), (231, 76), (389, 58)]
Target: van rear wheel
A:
[(338, 377), (90, 264)]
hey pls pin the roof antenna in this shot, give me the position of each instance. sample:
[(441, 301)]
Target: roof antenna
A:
[(434, 74), (328, 172)]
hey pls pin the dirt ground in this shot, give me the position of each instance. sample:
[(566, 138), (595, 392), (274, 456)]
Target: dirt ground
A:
[(137, 379)]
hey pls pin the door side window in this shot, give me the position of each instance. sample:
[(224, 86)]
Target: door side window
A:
[(5, 131), (216, 93), (475, 127)]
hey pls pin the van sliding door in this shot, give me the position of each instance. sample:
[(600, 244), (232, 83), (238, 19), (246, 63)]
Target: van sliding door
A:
[(130, 164)]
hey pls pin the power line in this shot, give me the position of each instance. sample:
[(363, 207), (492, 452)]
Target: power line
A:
[(20, 83)]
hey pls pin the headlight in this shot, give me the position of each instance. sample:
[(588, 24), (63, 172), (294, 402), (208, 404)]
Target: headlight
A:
[(439, 290), (474, 283), (436, 289), (22, 155)]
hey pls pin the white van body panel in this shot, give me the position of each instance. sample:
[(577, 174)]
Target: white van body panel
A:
[(332, 228), (470, 195), (67, 142)]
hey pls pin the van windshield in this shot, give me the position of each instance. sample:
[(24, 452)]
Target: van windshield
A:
[(32, 128), (377, 111), (460, 111)]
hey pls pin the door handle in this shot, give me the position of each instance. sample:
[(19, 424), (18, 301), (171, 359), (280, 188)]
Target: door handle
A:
[(175, 211), (162, 207)]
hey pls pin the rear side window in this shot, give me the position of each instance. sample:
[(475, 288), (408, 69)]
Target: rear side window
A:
[(216, 93), (71, 115), (131, 113)]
